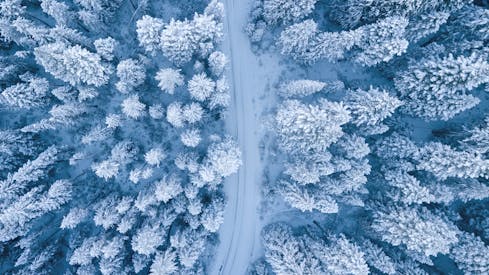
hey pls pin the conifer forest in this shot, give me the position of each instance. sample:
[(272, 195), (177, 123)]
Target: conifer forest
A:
[(244, 137)]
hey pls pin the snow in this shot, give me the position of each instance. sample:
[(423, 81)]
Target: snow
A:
[(240, 242)]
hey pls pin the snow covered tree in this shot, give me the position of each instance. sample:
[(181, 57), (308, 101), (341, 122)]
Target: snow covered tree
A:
[(174, 114), (470, 254), (217, 62), (224, 157), (74, 65), (31, 171), (58, 10), (286, 11), (149, 33), (314, 128), (370, 107), (375, 257), (285, 252), (301, 88), (168, 188), (443, 161), (94, 13), (297, 40), (351, 13), (133, 108), (213, 215), (164, 263), (334, 46), (434, 86), (147, 239), (15, 217), (106, 47), (382, 41), (409, 189), (155, 156), (340, 256), (131, 74), (419, 230), (169, 79), (192, 113), (221, 98), (29, 94), (307, 198), (425, 24), (180, 40), (191, 137), (156, 111), (73, 218), (106, 169), (478, 138), (201, 87), (60, 115)]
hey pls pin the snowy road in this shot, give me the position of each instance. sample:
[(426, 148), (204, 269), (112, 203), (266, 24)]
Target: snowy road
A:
[(240, 233)]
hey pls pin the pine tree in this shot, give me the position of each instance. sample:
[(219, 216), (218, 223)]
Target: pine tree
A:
[(340, 256), (155, 156), (201, 87), (164, 263), (382, 41), (213, 215), (296, 41), (174, 114), (470, 254), (285, 252), (180, 40), (434, 85), (31, 171), (217, 63), (306, 128), (133, 108), (131, 74), (444, 162), (192, 113), (351, 13), (286, 11), (425, 24), (147, 239), (409, 189), (32, 93), (15, 216), (58, 10), (375, 256), (370, 107), (301, 88), (106, 47), (74, 218), (60, 115), (419, 230), (191, 137), (149, 33), (168, 188), (307, 198), (74, 65), (224, 157), (169, 79)]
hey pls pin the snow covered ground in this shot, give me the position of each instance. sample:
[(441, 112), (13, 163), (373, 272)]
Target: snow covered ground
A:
[(240, 234)]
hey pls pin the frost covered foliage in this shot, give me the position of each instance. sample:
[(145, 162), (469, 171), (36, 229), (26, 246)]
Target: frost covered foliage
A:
[(292, 253), (111, 158), (390, 168), (179, 40), (325, 145)]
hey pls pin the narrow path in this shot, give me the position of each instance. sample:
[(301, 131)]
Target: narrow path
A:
[(240, 234)]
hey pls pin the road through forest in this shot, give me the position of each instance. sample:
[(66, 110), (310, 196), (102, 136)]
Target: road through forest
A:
[(240, 233)]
